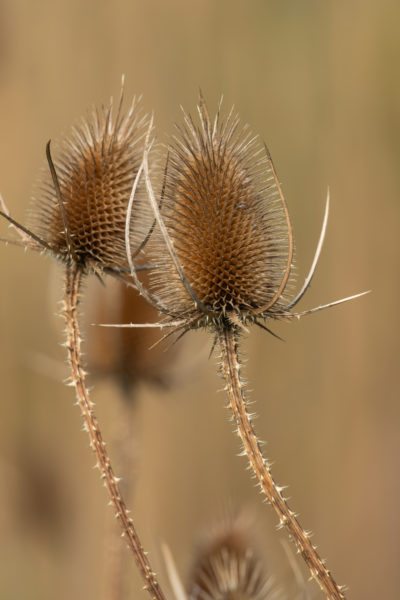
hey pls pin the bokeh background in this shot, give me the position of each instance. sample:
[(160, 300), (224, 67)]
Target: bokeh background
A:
[(319, 82)]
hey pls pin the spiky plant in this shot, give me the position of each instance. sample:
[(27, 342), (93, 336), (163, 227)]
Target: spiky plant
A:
[(224, 248), (79, 217), (228, 567)]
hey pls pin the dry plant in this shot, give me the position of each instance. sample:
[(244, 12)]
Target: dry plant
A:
[(224, 248), (221, 250), (80, 219), (228, 565)]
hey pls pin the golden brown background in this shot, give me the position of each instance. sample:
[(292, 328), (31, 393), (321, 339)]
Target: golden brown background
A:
[(319, 81)]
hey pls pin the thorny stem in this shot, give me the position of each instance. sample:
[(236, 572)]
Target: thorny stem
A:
[(72, 286), (231, 369), (114, 587)]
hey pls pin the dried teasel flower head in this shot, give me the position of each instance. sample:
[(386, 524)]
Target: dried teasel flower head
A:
[(224, 222), (79, 211), (227, 223), (228, 567)]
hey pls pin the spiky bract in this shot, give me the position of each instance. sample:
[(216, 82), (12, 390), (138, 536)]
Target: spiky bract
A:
[(95, 168), (223, 210)]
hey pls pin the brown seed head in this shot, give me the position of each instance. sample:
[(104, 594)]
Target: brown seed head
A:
[(228, 568), (124, 353), (84, 219), (228, 224)]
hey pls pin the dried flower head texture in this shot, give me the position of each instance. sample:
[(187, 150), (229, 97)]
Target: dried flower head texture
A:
[(227, 222), (80, 210), (223, 247)]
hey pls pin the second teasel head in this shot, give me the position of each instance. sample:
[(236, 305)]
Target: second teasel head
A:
[(227, 223), (79, 210)]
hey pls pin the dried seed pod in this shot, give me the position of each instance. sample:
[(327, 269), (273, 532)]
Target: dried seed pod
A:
[(80, 209), (224, 242)]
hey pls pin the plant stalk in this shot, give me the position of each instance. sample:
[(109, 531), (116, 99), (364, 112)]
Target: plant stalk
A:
[(228, 341), (73, 280), (115, 557)]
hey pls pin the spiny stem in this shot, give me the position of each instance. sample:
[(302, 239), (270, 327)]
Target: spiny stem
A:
[(114, 586), (231, 369), (72, 286)]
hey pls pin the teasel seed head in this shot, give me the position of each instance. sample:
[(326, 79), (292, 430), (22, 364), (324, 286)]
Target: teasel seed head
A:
[(223, 243), (79, 211), (228, 567), (226, 220)]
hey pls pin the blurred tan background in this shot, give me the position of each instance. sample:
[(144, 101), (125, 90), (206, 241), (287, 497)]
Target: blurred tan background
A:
[(319, 81)]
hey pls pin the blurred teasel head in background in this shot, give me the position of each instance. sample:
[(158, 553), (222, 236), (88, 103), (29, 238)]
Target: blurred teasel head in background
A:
[(228, 566)]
